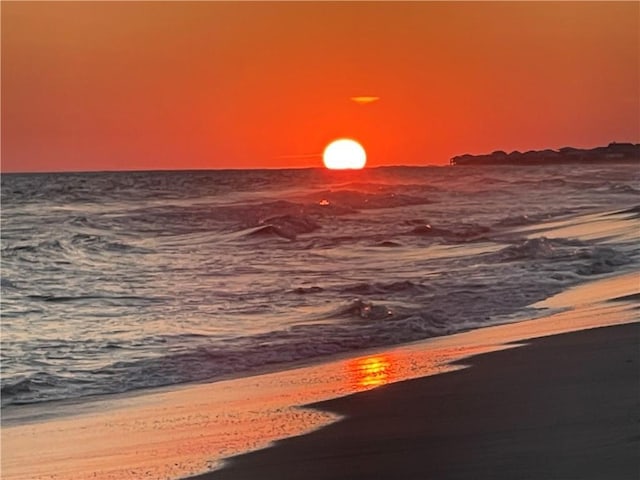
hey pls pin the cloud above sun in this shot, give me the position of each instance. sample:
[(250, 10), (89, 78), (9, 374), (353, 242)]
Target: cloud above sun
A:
[(364, 100)]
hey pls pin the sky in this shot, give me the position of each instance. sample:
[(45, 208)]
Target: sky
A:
[(207, 85)]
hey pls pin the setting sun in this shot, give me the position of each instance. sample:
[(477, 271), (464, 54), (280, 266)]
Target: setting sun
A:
[(344, 154)]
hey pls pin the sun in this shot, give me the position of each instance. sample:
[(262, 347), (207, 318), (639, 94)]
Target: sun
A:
[(344, 154)]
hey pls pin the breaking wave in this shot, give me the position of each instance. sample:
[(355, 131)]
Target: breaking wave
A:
[(585, 259)]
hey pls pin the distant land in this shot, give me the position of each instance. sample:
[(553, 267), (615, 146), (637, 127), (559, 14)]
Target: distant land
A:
[(614, 152)]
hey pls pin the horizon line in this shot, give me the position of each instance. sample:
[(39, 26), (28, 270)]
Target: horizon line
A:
[(319, 167)]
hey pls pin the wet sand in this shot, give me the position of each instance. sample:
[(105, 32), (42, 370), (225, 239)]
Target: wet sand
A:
[(561, 407)]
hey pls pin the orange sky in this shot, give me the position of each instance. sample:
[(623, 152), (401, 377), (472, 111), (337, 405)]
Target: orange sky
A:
[(171, 85)]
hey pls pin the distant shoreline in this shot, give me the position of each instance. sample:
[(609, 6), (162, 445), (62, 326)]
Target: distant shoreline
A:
[(612, 153)]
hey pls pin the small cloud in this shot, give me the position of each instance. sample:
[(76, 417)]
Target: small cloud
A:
[(364, 100)]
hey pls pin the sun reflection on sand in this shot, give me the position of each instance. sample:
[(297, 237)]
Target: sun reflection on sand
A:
[(369, 372)]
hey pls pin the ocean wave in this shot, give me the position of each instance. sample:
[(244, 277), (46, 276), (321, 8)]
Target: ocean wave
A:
[(601, 260), (531, 218), (533, 248), (517, 221), (269, 230), (32, 388), (376, 288), (46, 246), (306, 290), (97, 243), (284, 226), (361, 309), (635, 211), (6, 283), (358, 200), (622, 188), (388, 244), (120, 299), (61, 249), (461, 232), (542, 182), (582, 258)]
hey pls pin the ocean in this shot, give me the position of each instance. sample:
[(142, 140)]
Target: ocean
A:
[(116, 282)]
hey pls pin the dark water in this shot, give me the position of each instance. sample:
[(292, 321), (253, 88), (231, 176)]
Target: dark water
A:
[(121, 281)]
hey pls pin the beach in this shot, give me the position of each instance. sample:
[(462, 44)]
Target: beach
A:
[(564, 406), (561, 406), (525, 399)]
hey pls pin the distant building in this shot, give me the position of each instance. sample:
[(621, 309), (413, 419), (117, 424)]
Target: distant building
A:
[(614, 152)]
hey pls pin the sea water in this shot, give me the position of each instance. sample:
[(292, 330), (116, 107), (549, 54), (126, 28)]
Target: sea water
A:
[(116, 282)]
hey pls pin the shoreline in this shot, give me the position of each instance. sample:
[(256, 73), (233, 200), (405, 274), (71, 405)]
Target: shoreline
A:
[(189, 429), (561, 406)]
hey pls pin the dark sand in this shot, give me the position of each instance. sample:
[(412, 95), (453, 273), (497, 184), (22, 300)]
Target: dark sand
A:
[(562, 407)]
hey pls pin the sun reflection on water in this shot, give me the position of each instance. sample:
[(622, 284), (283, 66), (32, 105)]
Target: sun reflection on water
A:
[(369, 372)]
